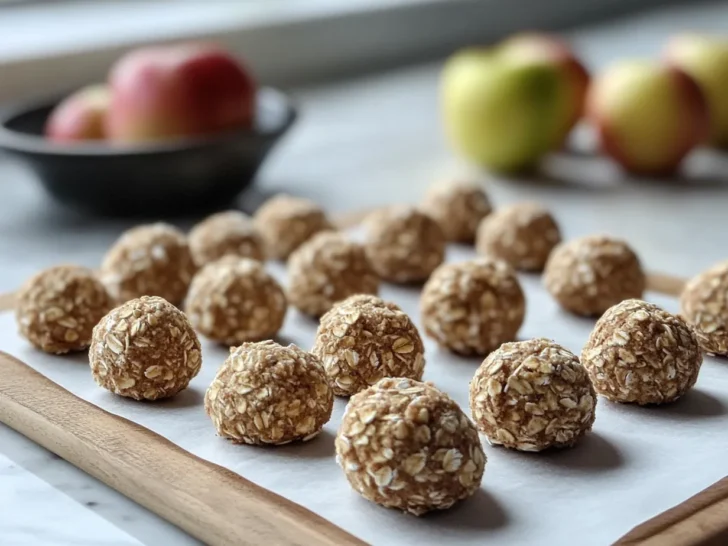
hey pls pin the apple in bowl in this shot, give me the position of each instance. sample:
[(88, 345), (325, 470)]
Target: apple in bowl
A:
[(175, 130), (164, 92), (80, 116), (160, 92)]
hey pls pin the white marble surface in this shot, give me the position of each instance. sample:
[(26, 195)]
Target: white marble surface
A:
[(363, 142), (46, 501)]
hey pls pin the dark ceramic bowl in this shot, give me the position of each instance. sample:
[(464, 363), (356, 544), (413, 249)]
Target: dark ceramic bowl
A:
[(175, 176)]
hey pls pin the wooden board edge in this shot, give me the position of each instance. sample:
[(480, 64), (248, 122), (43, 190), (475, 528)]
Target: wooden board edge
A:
[(210, 502), (662, 283), (702, 520), (7, 301), (352, 218)]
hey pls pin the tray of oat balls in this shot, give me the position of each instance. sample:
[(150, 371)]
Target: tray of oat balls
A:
[(434, 374)]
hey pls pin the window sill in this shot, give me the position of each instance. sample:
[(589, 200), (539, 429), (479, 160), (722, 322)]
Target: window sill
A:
[(52, 47)]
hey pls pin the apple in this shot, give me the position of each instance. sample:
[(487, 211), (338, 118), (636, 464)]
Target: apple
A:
[(705, 58), (552, 49), (179, 90), (79, 116), (648, 115), (501, 112)]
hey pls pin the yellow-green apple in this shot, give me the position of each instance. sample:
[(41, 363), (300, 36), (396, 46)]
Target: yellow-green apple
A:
[(179, 90), (552, 49), (648, 115), (79, 116), (501, 112), (705, 58)]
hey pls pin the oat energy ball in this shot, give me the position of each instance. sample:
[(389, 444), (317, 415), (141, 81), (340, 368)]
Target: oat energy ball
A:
[(704, 304), (522, 234), (57, 309), (225, 233), (639, 353), (472, 307), (286, 222), (363, 339), (532, 395), (589, 275), (235, 300), (403, 244), (145, 349), (327, 269), (406, 445), (149, 260), (268, 394), (458, 207)]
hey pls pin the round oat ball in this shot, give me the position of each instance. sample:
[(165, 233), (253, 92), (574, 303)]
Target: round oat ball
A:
[(704, 304), (265, 393), (225, 233), (403, 244), (522, 234), (363, 339), (234, 300), (407, 445), (589, 275), (458, 207), (532, 395), (327, 269), (638, 353), (57, 309), (286, 222), (145, 349), (472, 307), (149, 260)]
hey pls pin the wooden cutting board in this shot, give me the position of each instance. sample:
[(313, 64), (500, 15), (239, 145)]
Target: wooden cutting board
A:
[(220, 507)]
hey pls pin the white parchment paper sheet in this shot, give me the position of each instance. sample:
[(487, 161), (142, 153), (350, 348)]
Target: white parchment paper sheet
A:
[(636, 463)]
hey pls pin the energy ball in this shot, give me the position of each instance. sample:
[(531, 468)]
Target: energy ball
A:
[(457, 207), (638, 353), (268, 394), (472, 307), (57, 309), (327, 269), (225, 233), (403, 244), (145, 349), (149, 260), (532, 395), (522, 234), (406, 445), (235, 300), (363, 339), (704, 304), (588, 275), (286, 222)]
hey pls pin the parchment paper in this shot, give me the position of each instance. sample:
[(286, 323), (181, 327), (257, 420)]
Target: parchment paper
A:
[(636, 463)]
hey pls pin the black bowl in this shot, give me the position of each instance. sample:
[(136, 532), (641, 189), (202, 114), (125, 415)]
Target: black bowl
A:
[(176, 176)]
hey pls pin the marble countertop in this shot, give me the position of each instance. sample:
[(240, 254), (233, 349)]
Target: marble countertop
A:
[(359, 143)]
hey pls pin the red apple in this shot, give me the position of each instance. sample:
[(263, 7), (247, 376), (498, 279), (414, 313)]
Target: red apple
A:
[(79, 116), (180, 90), (648, 115), (552, 49)]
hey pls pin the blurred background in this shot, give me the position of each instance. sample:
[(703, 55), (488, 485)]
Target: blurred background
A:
[(366, 77)]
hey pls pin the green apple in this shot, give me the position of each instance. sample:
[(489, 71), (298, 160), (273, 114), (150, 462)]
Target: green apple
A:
[(500, 112), (553, 50), (705, 58)]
